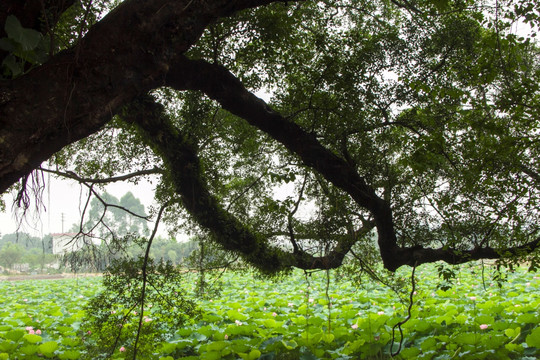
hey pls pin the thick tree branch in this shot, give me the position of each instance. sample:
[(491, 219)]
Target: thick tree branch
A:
[(183, 165), (419, 255), (78, 90), (219, 84), (184, 171)]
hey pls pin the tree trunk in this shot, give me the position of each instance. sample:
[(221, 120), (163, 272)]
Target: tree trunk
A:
[(77, 91)]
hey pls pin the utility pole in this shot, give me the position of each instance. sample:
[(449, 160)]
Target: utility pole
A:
[(62, 217)]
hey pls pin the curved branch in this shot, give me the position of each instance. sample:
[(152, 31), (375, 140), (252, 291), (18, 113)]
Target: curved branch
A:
[(221, 85), (79, 90), (182, 162), (74, 176), (183, 165)]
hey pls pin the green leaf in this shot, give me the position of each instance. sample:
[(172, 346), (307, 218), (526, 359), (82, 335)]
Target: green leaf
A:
[(253, 354), (32, 338), (512, 347), (235, 315), (29, 349), (48, 348), (211, 355), (69, 355), (328, 338), (7, 45), (353, 347), (429, 344), (71, 342), (289, 345), (270, 323), (217, 346), (15, 335), (27, 38), (467, 338), (512, 333), (13, 65), (167, 348), (410, 353), (8, 346), (533, 339)]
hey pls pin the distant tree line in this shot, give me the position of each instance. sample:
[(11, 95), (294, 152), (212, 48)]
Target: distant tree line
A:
[(29, 253), (23, 252)]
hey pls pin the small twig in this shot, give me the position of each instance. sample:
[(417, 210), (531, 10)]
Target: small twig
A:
[(74, 176), (244, 191), (398, 325), (145, 275), (328, 299)]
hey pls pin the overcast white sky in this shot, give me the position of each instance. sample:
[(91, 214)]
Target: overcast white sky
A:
[(67, 198)]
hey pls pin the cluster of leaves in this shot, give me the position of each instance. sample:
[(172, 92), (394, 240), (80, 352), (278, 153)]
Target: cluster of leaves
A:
[(137, 309), (25, 46), (432, 103), (43, 319), (28, 47), (301, 317), (436, 110), (305, 318)]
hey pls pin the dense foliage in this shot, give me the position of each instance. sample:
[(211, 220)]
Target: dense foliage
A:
[(303, 317), (401, 131), (417, 121)]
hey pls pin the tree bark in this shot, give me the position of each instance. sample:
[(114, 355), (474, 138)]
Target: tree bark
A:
[(219, 84), (77, 91)]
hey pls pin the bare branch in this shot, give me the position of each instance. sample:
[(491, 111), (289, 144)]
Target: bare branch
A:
[(145, 277), (74, 176)]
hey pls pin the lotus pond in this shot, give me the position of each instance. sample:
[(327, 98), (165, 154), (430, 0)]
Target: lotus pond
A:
[(298, 317)]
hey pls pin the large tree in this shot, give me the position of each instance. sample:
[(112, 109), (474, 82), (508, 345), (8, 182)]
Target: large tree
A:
[(414, 122)]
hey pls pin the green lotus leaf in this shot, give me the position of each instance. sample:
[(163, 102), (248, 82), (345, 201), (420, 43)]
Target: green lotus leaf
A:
[(533, 339), (48, 348), (32, 338)]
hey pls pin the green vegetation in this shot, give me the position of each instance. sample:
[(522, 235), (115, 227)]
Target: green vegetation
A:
[(296, 317), (43, 317), (24, 253), (392, 134)]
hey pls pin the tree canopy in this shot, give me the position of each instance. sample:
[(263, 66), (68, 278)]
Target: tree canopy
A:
[(407, 128)]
